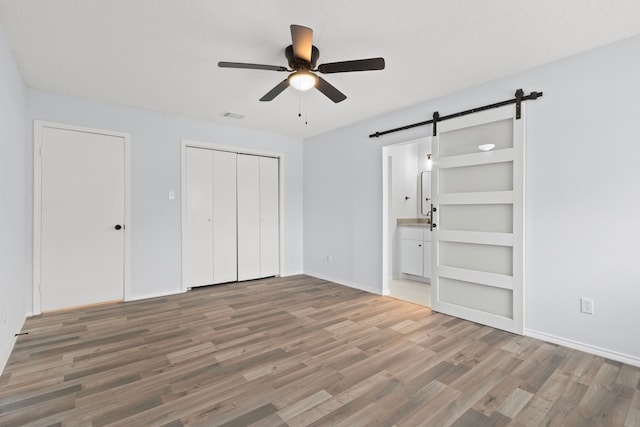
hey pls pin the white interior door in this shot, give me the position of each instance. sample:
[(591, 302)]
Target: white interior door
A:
[(478, 242), (269, 218), (198, 263), (248, 217), (225, 256), (82, 203)]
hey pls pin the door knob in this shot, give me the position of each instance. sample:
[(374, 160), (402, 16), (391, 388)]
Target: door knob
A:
[(118, 227)]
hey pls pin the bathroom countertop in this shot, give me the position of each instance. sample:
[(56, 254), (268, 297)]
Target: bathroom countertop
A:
[(412, 222)]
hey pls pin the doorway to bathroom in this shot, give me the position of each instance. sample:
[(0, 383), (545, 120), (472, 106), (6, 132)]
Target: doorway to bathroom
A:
[(406, 216)]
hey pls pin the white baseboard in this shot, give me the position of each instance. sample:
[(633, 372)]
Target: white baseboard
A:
[(344, 283), (154, 295), (587, 348), (289, 274), (180, 291)]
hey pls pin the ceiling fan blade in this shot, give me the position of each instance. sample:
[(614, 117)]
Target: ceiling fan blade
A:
[(330, 91), (302, 38), (356, 65), (223, 64), (276, 90)]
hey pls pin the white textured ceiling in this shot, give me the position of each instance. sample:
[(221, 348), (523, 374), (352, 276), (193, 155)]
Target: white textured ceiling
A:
[(162, 55)]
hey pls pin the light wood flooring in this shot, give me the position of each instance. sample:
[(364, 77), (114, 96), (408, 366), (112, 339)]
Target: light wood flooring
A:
[(299, 351)]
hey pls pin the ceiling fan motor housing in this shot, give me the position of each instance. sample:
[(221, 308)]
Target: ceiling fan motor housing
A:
[(298, 64)]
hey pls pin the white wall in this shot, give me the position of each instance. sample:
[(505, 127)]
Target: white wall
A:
[(404, 170), (15, 214), (155, 165), (582, 204)]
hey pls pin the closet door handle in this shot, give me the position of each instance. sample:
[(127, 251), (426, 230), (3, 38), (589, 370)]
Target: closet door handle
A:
[(118, 227)]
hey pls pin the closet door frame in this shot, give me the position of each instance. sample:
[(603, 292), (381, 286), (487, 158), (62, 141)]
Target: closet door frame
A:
[(238, 150)]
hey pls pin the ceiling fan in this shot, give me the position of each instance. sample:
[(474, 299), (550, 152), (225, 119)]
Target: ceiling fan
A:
[(302, 57)]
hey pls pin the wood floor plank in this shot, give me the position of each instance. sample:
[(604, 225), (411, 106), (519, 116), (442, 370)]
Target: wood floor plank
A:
[(339, 400), (303, 405), (633, 416), (299, 351)]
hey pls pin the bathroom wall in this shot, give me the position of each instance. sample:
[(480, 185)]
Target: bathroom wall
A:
[(404, 169)]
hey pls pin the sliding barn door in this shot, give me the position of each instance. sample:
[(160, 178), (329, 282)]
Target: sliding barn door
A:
[(478, 240)]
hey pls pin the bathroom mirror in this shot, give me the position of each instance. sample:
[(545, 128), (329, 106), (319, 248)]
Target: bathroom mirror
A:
[(425, 192)]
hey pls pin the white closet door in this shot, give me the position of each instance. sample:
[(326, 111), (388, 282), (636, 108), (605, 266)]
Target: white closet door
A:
[(225, 267), (478, 243), (269, 218), (82, 214), (199, 216), (248, 217)]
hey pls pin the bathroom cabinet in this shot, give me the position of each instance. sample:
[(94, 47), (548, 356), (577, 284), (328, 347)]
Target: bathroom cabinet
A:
[(415, 250)]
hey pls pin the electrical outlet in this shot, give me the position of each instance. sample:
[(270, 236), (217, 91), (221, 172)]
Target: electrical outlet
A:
[(329, 258), (586, 305)]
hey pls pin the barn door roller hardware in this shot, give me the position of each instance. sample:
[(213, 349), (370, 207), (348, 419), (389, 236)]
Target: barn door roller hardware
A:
[(518, 98)]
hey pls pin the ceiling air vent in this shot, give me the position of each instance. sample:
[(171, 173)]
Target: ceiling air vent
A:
[(232, 115)]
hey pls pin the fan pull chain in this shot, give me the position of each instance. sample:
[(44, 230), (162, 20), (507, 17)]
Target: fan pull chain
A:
[(306, 111), (300, 108)]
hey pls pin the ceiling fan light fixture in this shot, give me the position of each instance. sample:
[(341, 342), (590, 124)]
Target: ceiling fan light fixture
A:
[(302, 80)]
